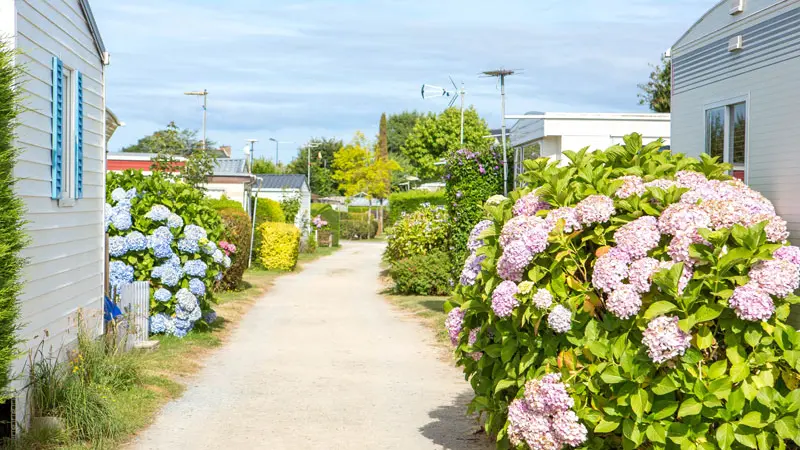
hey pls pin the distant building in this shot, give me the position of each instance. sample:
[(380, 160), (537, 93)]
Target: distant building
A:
[(735, 93), (278, 187), (543, 134)]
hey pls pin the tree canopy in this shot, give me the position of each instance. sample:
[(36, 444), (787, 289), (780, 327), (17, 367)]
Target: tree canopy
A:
[(434, 136), (657, 92), (398, 127), (322, 155), (357, 169), (173, 143)]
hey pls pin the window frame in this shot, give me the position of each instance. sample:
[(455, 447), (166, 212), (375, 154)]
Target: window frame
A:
[(69, 188), (727, 152)]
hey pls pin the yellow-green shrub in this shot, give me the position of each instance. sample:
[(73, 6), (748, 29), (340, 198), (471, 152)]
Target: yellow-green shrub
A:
[(280, 245)]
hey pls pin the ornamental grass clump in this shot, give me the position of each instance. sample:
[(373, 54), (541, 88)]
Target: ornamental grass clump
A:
[(651, 288), (165, 233)]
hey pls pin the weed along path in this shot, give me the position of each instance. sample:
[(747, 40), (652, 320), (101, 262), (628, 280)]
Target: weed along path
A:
[(323, 362)]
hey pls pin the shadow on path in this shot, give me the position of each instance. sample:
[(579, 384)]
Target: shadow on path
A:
[(452, 429)]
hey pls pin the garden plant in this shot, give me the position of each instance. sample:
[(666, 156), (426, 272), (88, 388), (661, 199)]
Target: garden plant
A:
[(164, 232), (634, 298)]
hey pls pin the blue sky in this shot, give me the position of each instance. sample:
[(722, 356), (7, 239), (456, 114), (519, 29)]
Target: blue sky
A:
[(297, 69)]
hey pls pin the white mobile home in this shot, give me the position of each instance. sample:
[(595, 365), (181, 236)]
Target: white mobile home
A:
[(278, 187), (61, 169), (541, 134), (735, 91)]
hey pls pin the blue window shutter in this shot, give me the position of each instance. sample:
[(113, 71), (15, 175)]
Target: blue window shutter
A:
[(79, 137), (58, 128)]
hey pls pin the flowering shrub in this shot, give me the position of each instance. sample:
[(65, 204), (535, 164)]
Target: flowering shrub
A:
[(653, 285), (331, 235), (162, 232), (319, 223), (422, 274), (471, 178), (418, 233), (280, 245), (409, 201), (236, 245)]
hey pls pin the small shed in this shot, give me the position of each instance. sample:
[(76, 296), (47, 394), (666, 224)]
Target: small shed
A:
[(279, 187), (231, 179)]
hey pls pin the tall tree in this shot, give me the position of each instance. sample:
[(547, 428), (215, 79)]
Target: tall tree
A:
[(657, 92), (435, 135), (349, 163), (172, 145), (398, 127), (383, 140), (322, 182), (263, 165), (179, 141)]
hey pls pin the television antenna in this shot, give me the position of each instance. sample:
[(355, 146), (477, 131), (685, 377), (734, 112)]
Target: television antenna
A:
[(502, 74), (431, 91)]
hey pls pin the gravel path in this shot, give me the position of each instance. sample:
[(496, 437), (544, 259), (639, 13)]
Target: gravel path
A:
[(323, 362)]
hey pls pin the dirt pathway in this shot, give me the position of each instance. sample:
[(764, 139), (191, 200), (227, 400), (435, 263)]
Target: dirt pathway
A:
[(322, 362)]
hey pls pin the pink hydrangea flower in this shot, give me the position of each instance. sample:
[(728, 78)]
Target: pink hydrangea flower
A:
[(568, 429), (681, 218), (513, 261), (640, 274), (664, 339), (752, 303), (631, 185), (453, 323), (569, 216), (529, 205), (678, 248), (542, 299), (788, 253), (610, 270), (531, 230), (473, 338), (690, 179), (474, 242), (776, 277), (560, 319), (660, 183), (503, 299), (638, 237), (595, 209), (624, 302)]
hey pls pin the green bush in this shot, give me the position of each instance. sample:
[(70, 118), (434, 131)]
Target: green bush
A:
[(331, 216), (12, 236), (419, 233), (407, 202), (472, 177), (426, 274), (290, 204), (653, 285), (223, 203), (238, 229), (358, 229), (268, 210), (280, 245)]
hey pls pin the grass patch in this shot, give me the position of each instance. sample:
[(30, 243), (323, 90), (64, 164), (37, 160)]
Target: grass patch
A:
[(145, 382), (429, 310)]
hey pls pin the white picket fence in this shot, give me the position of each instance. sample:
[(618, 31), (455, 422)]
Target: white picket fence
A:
[(134, 301)]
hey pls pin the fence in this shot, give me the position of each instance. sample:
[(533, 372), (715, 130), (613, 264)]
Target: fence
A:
[(134, 301)]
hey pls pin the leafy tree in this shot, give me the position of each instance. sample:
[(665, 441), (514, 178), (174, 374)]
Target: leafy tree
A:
[(179, 141), (172, 144), (657, 92), (433, 137), (398, 127), (263, 165), (383, 141), (349, 163), (322, 182)]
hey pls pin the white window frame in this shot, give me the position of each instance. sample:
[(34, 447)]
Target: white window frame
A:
[(68, 186), (728, 104)]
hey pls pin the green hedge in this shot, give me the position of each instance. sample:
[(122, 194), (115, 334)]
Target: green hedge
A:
[(237, 232), (223, 203), (422, 275), (12, 237), (357, 229), (331, 216), (407, 202), (280, 245), (266, 211)]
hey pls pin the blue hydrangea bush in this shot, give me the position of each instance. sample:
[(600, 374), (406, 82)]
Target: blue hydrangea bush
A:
[(160, 231), (634, 298)]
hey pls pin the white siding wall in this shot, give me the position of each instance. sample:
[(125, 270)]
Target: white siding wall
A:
[(234, 191), (305, 202), (770, 80), (66, 253)]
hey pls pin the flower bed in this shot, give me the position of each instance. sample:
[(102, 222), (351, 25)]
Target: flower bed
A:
[(633, 299), (162, 232)]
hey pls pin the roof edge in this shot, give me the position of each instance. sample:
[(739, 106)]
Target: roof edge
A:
[(94, 30)]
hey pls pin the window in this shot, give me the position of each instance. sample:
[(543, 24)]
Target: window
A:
[(67, 134), (726, 136), (68, 183)]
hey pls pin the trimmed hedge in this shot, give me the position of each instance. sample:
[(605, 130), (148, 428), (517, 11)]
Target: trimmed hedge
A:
[(422, 275), (280, 245), (223, 203), (237, 232), (410, 201), (267, 211), (357, 229), (331, 216)]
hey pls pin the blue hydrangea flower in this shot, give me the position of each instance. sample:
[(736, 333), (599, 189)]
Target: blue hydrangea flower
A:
[(195, 233), (209, 248), (188, 246), (210, 316), (136, 241), (197, 287), (218, 277), (130, 194), (178, 330), (185, 304), (161, 250), (174, 221), (159, 323), (226, 261), (158, 213), (163, 234), (157, 272), (123, 205), (117, 246), (118, 194), (195, 268), (175, 261), (171, 275), (108, 211), (218, 256), (119, 274), (196, 314), (121, 219), (162, 295)]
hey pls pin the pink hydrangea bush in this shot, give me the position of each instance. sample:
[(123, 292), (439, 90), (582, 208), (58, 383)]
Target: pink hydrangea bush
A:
[(634, 298)]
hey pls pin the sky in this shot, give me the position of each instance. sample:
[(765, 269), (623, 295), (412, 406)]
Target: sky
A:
[(298, 69)]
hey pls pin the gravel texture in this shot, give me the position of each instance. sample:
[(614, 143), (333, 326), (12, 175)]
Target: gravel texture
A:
[(323, 362)]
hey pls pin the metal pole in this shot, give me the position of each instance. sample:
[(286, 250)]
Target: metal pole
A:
[(276, 155), (308, 150), (462, 114), (253, 231), (205, 114), (503, 128)]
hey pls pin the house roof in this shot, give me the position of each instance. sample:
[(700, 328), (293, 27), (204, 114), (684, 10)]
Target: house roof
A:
[(225, 166), (292, 181), (94, 30)]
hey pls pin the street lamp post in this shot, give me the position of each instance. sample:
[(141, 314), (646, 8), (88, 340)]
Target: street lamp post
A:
[(204, 94), (277, 144), (308, 151)]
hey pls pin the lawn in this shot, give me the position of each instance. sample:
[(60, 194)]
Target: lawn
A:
[(429, 311), (165, 372)]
